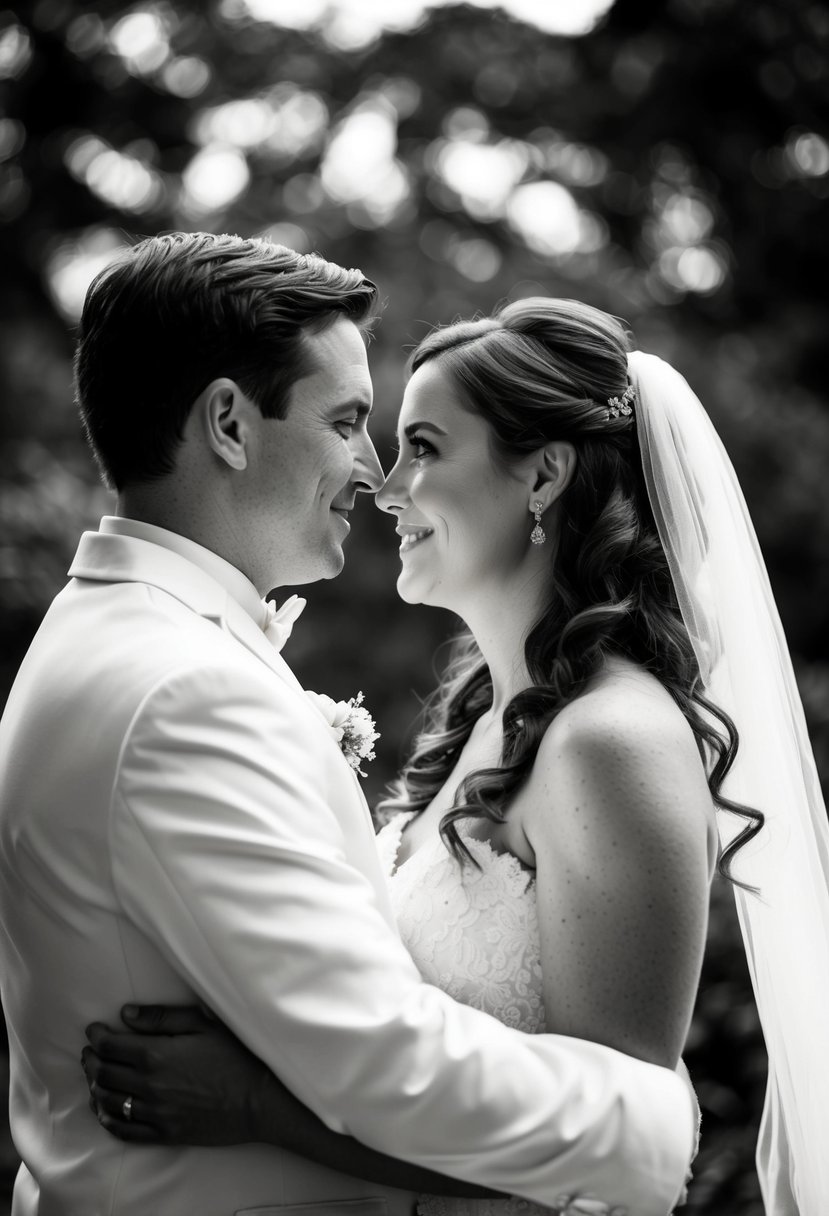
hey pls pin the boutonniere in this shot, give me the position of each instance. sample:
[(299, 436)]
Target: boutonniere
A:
[(353, 727)]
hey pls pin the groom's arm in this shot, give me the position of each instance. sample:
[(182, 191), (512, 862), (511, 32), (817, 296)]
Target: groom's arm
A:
[(192, 1082), (227, 854)]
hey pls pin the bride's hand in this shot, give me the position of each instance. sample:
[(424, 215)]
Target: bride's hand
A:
[(190, 1080)]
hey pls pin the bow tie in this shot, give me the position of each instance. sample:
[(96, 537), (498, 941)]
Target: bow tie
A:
[(280, 621)]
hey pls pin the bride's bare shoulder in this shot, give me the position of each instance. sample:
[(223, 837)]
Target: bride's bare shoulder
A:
[(624, 706), (623, 747)]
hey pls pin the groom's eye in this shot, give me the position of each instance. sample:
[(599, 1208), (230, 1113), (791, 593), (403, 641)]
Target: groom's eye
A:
[(346, 427)]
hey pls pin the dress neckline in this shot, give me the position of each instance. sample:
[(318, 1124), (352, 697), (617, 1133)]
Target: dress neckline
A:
[(476, 846)]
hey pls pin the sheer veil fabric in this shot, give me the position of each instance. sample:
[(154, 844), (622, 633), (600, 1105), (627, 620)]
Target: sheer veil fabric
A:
[(730, 613)]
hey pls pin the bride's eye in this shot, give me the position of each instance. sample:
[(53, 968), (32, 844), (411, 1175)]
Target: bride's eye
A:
[(421, 447)]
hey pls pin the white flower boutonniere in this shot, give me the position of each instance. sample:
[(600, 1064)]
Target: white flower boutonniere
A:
[(353, 727)]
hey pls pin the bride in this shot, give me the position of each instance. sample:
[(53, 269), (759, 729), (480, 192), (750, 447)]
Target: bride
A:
[(618, 720)]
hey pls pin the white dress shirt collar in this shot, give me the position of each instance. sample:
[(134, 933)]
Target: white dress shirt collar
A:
[(234, 582)]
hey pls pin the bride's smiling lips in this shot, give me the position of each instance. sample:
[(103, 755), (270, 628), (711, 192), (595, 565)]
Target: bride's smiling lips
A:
[(411, 536)]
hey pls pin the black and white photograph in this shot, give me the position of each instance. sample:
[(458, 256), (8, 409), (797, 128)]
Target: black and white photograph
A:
[(414, 569)]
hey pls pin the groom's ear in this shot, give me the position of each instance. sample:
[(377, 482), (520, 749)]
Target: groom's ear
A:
[(222, 410), (552, 471)]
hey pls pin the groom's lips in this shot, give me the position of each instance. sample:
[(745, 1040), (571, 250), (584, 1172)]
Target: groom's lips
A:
[(343, 514)]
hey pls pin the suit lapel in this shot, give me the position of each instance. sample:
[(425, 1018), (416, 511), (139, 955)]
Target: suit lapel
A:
[(113, 558), (239, 623)]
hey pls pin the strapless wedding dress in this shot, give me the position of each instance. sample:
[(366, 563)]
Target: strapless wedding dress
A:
[(473, 933)]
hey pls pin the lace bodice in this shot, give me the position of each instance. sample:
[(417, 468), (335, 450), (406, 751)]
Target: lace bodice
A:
[(473, 933)]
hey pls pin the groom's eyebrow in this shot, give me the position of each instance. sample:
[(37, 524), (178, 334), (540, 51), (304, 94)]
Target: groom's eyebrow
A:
[(360, 405)]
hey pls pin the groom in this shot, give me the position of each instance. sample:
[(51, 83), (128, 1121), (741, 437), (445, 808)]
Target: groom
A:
[(178, 823)]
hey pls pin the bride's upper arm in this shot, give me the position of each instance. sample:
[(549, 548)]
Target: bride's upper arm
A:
[(618, 814)]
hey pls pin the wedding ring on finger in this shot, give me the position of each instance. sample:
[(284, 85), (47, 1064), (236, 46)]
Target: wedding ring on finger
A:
[(126, 1109)]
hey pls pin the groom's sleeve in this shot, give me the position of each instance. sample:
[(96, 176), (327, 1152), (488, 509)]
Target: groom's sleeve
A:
[(228, 855)]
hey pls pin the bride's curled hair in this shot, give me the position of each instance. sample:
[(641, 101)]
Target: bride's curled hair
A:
[(542, 370)]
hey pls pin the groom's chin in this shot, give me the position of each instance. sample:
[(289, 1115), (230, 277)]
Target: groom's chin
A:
[(333, 564), (325, 566)]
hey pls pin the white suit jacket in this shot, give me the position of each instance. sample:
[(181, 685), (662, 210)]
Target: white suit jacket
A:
[(178, 822)]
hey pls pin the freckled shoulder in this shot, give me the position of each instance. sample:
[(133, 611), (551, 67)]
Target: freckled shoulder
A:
[(617, 815), (620, 714), (623, 751)]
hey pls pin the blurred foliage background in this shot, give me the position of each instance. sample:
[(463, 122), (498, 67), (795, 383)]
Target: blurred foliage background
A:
[(666, 161)]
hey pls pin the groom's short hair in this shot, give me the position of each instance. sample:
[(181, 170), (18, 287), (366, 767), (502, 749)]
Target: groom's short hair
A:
[(177, 311)]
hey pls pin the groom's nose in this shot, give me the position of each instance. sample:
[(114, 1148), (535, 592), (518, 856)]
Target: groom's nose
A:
[(368, 473), (392, 495)]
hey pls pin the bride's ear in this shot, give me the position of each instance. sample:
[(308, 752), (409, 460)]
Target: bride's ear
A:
[(553, 468)]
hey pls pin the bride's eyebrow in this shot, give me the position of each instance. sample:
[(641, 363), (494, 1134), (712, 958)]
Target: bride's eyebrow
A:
[(415, 428)]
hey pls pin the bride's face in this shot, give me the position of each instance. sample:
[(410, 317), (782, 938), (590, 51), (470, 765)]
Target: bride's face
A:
[(464, 521)]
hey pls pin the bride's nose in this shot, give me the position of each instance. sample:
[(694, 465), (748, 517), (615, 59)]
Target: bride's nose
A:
[(393, 495)]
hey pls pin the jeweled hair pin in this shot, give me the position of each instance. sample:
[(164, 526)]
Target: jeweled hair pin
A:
[(621, 406)]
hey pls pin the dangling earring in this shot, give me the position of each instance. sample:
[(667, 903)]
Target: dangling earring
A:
[(538, 535)]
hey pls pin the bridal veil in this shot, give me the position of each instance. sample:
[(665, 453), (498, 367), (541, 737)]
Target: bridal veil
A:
[(730, 613)]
